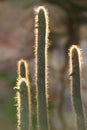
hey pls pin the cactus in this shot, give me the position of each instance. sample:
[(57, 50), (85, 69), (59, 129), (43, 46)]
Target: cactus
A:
[(75, 66), (23, 98), (41, 30), (22, 69)]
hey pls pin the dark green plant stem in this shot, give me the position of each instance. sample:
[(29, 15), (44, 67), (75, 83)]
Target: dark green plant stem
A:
[(23, 97), (41, 69), (76, 87), (22, 70), (23, 106), (24, 111)]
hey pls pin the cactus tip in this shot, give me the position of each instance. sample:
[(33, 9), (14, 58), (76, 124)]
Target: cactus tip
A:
[(22, 69), (74, 50)]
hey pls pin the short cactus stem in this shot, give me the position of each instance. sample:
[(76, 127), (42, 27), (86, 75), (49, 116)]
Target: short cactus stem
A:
[(41, 25), (75, 66), (23, 99)]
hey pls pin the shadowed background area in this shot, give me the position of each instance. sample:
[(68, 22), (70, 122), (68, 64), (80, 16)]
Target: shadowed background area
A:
[(68, 25)]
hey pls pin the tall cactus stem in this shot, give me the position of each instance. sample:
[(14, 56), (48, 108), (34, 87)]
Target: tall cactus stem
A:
[(75, 67), (41, 32)]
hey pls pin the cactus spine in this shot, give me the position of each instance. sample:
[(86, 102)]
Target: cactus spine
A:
[(75, 65), (23, 97), (41, 25)]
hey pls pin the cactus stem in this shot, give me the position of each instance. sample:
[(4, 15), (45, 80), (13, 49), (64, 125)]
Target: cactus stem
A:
[(23, 98), (75, 64), (22, 69), (41, 33)]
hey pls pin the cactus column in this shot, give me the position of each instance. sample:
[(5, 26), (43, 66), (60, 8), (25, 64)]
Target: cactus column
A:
[(23, 97), (75, 65), (41, 25)]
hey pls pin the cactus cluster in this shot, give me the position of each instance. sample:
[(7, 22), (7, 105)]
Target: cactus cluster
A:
[(23, 87), (23, 94)]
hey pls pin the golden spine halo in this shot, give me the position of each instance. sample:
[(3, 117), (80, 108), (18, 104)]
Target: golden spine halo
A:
[(21, 79), (18, 99), (19, 69), (79, 57), (37, 9), (41, 11), (36, 23)]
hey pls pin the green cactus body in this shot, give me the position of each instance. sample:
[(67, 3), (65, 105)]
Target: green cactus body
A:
[(76, 95), (23, 109), (23, 98), (22, 69), (41, 66), (23, 73)]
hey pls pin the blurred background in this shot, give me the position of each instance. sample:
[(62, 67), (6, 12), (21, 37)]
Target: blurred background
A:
[(68, 25)]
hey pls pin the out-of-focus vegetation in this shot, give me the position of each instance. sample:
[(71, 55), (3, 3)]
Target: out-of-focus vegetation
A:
[(7, 105)]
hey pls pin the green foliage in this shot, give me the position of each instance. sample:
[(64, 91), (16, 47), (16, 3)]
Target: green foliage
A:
[(3, 75), (10, 108)]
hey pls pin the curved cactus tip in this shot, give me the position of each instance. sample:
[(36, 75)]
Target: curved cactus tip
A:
[(74, 49), (19, 82), (40, 8), (22, 69), (41, 11), (22, 80), (73, 52), (23, 83)]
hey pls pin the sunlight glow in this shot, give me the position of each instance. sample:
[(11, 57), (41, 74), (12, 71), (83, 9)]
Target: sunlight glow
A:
[(79, 57), (37, 10), (46, 38), (19, 69), (18, 94)]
